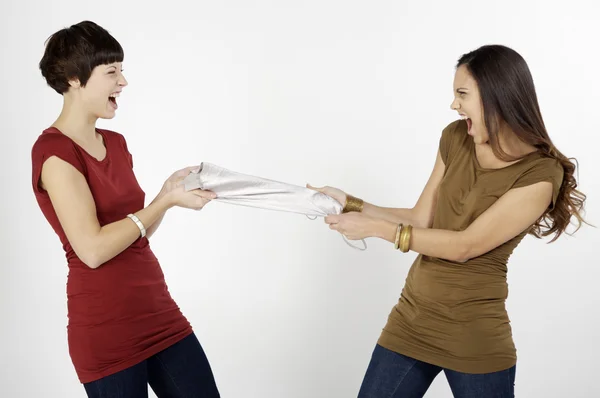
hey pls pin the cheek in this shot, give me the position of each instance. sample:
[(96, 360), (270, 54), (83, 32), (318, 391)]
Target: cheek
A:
[(93, 96), (100, 99), (478, 121), (473, 112)]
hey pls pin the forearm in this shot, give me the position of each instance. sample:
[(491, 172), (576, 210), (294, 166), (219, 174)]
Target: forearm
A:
[(394, 215), (150, 230), (445, 244), (115, 237)]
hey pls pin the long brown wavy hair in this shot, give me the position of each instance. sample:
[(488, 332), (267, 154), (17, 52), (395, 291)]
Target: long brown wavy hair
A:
[(508, 96)]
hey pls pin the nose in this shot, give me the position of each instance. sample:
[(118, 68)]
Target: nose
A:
[(455, 105), (122, 81)]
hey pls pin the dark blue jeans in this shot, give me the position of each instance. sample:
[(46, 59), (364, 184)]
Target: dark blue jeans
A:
[(180, 371), (392, 375)]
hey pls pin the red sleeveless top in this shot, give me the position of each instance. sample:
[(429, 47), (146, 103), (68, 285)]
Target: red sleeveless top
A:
[(121, 312)]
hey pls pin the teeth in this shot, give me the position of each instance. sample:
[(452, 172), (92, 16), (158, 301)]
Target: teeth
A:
[(115, 95)]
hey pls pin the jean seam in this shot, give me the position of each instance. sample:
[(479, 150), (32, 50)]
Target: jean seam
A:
[(166, 369), (403, 377)]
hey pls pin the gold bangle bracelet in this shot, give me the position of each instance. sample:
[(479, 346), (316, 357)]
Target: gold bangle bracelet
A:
[(397, 240), (402, 239), (405, 238), (408, 238), (353, 204)]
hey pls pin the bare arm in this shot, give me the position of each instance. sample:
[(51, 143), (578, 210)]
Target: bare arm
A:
[(152, 229), (75, 208), (421, 215), (512, 214)]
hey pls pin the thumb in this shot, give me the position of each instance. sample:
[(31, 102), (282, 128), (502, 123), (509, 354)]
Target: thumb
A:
[(189, 169)]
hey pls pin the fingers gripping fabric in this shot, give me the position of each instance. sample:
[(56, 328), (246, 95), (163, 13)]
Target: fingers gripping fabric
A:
[(245, 190)]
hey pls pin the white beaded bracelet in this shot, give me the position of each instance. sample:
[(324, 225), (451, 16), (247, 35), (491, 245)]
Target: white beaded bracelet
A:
[(137, 222)]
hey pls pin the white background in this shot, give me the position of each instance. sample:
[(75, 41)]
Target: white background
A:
[(343, 93)]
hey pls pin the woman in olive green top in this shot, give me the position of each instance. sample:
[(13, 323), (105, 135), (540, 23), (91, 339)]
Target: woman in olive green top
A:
[(497, 177)]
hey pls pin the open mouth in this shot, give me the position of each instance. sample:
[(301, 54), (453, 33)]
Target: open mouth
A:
[(469, 122), (113, 100)]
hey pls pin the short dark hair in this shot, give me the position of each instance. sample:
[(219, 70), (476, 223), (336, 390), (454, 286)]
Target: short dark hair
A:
[(73, 52)]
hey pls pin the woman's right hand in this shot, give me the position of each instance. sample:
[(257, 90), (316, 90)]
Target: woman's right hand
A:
[(174, 192), (335, 193)]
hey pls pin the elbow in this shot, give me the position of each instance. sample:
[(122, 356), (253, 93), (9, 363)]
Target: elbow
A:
[(87, 248), (89, 257), (460, 258), (90, 260), (93, 263), (463, 251)]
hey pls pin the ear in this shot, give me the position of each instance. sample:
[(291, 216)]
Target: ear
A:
[(74, 83)]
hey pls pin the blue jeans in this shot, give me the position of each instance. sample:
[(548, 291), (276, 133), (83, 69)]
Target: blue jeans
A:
[(179, 371), (392, 375)]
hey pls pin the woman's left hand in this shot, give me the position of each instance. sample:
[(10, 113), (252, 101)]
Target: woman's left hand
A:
[(353, 225)]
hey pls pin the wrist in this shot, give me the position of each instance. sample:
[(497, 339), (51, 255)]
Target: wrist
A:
[(164, 201), (385, 230), (158, 197)]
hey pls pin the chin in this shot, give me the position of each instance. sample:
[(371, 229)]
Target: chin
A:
[(107, 115)]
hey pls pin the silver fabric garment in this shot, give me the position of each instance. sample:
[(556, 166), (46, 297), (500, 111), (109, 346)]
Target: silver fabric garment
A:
[(246, 190)]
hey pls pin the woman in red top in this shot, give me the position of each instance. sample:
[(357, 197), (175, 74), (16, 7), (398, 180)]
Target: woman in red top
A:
[(125, 331)]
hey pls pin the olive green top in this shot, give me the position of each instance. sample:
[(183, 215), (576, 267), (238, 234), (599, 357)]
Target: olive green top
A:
[(453, 314)]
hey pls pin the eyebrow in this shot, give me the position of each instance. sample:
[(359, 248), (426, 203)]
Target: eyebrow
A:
[(461, 88)]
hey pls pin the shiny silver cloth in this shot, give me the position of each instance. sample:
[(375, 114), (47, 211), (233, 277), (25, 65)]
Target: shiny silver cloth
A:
[(246, 190)]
